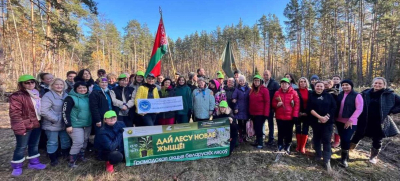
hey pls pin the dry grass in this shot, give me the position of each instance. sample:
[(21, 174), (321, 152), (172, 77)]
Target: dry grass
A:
[(246, 163)]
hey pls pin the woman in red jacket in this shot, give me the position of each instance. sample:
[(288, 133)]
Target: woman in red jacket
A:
[(24, 117), (259, 101), (287, 106)]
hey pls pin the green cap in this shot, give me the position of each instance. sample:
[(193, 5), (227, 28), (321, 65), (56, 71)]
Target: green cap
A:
[(223, 104), (221, 76), (122, 76), (141, 73), (285, 80), (257, 77), (219, 72), (25, 77), (110, 114)]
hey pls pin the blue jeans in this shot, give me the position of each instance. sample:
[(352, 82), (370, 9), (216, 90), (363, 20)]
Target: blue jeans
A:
[(271, 124), (52, 140), (149, 119), (30, 140), (345, 135)]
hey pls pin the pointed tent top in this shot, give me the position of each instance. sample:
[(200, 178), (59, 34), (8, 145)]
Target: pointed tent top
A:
[(159, 8)]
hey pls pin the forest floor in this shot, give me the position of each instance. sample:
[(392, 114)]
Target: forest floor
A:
[(246, 163)]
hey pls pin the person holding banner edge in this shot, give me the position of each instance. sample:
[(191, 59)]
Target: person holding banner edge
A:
[(166, 90), (147, 91), (225, 111), (123, 98), (109, 141)]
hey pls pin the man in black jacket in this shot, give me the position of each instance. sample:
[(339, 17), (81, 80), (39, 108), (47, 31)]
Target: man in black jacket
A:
[(272, 86)]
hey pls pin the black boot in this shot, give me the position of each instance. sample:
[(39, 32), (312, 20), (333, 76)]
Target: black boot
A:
[(255, 142), (287, 148), (280, 148), (54, 158), (64, 154), (72, 161), (345, 158), (81, 156), (260, 143)]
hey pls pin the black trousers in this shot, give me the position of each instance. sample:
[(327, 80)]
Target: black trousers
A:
[(285, 132), (322, 133)]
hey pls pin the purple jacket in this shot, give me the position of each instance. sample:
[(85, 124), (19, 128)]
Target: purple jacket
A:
[(242, 104)]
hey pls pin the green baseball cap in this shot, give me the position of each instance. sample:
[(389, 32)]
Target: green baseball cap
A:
[(223, 104), (110, 114), (257, 77), (285, 80), (221, 76), (25, 77), (141, 73), (122, 76)]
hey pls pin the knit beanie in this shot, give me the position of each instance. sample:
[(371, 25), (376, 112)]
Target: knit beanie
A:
[(314, 77), (347, 81)]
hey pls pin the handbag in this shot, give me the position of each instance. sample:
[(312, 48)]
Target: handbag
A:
[(250, 128), (390, 128)]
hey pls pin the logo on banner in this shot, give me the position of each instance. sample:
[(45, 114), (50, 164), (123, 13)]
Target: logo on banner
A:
[(144, 105)]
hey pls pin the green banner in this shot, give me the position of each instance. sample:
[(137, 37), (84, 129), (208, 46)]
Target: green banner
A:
[(178, 142)]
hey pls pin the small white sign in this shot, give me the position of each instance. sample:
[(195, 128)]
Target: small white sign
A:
[(160, 105)]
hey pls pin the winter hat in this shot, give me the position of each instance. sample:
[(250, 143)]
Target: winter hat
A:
[(285, 80), (217, 84), (223, 104), (103, 79), (347, 81), (25, 77), (115, 157), (110, 114), (314, 77), (141, 73), (221, 76)]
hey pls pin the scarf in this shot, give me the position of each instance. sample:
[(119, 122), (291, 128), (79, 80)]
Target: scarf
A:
[(34, 94)]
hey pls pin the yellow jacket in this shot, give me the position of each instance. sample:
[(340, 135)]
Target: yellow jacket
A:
[(143, 92)]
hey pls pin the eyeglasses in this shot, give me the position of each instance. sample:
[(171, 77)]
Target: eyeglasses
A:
[(29, 82)]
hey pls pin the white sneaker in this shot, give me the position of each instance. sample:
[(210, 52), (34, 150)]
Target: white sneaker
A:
[(374, 160)]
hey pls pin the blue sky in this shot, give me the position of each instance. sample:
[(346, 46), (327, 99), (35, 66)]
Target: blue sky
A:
[(183, 17)]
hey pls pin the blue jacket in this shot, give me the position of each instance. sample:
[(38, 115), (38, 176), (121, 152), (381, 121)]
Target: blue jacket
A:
[(203, 103), (109, 138)]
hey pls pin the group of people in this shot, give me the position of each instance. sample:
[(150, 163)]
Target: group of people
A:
[(69, 111)]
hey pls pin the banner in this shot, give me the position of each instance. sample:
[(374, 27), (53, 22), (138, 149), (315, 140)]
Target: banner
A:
[(160, 105), (178, 142)]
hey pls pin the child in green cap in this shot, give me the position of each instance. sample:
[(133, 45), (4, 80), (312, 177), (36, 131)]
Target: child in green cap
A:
[(109, 141), (223, 112)]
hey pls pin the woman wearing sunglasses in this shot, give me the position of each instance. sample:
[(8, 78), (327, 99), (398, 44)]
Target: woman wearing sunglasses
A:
[(24, 117)]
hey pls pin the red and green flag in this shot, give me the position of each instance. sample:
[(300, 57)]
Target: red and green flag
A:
[(159, 49)]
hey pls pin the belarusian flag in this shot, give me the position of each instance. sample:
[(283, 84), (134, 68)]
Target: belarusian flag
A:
[(159, 49)]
